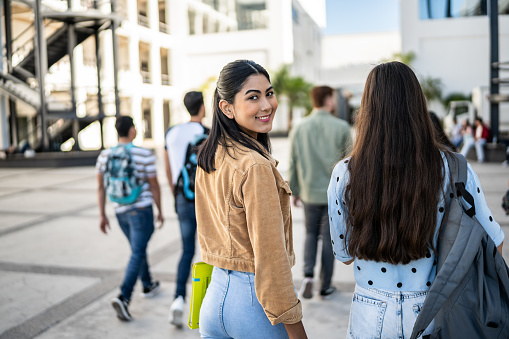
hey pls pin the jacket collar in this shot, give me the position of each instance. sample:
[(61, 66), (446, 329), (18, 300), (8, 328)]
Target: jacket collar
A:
[(236, 145), (320, 111)]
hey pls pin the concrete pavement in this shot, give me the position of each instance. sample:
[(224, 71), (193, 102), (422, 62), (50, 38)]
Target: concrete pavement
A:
[(58, 271)]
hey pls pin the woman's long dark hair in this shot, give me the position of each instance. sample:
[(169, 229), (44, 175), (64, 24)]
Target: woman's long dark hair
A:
[(230, 82), (395, 170)]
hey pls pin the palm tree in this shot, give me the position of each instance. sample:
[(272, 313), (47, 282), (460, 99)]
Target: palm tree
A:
[(296, 89), (432, 88)]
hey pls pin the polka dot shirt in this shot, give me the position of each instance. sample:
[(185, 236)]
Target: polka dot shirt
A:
[(417, 275)]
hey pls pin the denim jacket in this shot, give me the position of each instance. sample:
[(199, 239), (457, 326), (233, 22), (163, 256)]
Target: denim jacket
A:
[(245, 224)]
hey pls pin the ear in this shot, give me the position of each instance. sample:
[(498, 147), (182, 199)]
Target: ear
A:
[(226, 108)]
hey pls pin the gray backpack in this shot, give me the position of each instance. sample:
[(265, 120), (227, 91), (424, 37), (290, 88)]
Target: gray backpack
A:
[(469, 297)]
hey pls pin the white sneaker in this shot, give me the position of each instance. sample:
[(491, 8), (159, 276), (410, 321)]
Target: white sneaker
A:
[(177, 311), (505, 163), (306, 289)]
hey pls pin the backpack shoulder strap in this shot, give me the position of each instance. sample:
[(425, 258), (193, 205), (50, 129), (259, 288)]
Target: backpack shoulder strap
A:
[(436, 296)]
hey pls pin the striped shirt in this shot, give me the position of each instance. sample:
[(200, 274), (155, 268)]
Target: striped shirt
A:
[(145, 163)]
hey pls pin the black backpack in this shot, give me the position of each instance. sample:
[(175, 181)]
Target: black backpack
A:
[(185, 181)]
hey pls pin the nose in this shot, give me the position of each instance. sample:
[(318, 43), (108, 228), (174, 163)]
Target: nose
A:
[(265, 105)]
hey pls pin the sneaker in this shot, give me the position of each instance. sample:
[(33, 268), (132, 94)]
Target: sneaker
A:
[(327, 292), (176, 312), (121, 307), (306, 289), (149, 292), (505, 163)]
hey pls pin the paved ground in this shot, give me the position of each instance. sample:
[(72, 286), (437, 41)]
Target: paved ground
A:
[(58, 272)]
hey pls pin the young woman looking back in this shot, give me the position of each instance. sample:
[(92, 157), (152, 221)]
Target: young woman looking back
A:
[(243, 215), (386, 203)]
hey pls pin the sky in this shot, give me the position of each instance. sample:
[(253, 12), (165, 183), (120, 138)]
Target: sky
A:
[(361, 16)]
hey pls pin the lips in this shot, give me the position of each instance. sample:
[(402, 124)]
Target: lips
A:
[(264, 118)]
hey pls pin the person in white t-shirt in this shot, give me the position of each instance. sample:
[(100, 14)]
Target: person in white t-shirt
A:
[(177, 141)]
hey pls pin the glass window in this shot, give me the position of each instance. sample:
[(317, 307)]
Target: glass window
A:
[(439, 9), (227, 15)]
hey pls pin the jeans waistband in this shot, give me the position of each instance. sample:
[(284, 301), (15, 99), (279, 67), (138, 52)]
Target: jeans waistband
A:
[(392, 294)]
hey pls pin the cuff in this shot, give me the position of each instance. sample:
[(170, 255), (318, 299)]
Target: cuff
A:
[(292, 316), (499, 238)]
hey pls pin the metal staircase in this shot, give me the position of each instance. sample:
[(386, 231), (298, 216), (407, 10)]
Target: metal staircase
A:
[(25, 80)]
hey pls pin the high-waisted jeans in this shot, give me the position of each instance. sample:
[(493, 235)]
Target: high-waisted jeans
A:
[(230, 309), (384, 314)]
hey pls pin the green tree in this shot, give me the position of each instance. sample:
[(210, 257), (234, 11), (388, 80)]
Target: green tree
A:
[(294, 88), (455, 96), (432, 88), (406, 58)]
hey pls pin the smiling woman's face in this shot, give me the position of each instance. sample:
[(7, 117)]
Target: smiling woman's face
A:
[(255, 106)]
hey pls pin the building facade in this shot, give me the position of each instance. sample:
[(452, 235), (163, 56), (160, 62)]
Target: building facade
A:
[(164, 49), (451, 42)]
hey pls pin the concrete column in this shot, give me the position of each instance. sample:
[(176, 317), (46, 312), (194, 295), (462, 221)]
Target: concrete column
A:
[(198, 23), (153, 15)]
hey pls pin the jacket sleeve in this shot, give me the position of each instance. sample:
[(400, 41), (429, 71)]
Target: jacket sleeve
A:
[(293, 178), (265, 222)]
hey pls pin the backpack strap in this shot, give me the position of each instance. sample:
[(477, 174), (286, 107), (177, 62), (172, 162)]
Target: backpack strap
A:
[(457, 165), (458, 169)]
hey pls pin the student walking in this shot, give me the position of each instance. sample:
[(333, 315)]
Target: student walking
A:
[(316, 144), (386, 204), (127, 174), (243, 215), (180, 142)]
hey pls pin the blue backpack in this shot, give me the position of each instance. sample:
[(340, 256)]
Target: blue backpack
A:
[(185, 181), (120, 176)]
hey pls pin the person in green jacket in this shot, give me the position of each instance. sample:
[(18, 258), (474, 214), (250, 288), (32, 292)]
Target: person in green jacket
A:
[(318, 142)]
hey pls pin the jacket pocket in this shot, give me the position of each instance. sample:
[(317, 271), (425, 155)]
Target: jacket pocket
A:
[(366, 317)]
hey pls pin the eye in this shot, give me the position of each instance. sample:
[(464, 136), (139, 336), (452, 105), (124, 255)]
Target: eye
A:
[(270, 94), (254, 97)]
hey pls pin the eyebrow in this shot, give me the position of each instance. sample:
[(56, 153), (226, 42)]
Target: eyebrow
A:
[(257, 91)]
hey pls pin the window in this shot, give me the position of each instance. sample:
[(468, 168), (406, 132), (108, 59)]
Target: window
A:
[(166, 115), (165, 72), (226, 15), (439, 9), (142, 13), (163, 26), (144, 49), (146, 106)]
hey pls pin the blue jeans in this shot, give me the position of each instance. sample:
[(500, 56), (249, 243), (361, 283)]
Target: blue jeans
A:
[(138, 226), (231, 309), (187, 219), (479, 148), (385, 314)]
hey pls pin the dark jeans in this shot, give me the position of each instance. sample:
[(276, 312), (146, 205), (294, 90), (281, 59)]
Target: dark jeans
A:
[(505, 142), (187, 219), (138, 226), (317, 224)]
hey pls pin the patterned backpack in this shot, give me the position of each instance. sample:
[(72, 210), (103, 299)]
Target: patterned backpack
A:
[(120, 177), (185, 181)]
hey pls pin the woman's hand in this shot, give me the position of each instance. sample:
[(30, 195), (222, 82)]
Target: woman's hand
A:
[(296, 331)]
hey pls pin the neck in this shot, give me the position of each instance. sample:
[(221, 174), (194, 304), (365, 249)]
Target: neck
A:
[(124, 140), (196, 118), (323, 108)]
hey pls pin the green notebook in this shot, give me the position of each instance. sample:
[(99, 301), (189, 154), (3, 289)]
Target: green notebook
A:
[(202, 273)]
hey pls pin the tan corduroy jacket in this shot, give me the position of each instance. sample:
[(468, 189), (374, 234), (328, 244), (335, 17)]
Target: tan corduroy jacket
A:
[(245, 224)]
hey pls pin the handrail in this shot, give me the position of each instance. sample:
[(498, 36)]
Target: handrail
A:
[(23, 45), (24, 31)]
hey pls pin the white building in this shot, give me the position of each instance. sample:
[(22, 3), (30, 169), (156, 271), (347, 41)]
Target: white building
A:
[(456, 48), (167, 47), (348, 58)]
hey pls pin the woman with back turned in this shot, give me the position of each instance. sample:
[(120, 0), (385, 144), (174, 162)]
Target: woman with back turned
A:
[(386, 204), (243, 215)]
